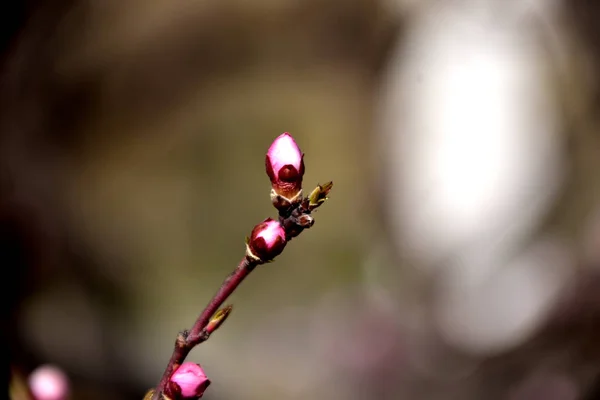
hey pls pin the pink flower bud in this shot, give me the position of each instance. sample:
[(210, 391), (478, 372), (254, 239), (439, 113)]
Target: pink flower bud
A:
[(188, 382), (267, 240), (285, 166), (48, 382)]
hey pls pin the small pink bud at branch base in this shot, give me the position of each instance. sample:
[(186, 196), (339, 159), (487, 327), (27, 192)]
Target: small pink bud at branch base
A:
[(267, 240), (217, 320), (284, 163), (188, 382), (48, 382)]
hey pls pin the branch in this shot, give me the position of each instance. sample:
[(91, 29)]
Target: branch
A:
[(187, 340), (285, 167)]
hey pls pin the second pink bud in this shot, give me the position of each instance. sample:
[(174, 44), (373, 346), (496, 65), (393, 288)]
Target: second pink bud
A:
[(267, 240), (188, 382)]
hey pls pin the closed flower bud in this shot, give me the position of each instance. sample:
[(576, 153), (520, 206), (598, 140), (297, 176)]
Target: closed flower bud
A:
[(267, 240), (285, 167), (188, 382)]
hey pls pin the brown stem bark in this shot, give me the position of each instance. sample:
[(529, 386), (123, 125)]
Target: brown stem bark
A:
[(293, 221), (186, 341)]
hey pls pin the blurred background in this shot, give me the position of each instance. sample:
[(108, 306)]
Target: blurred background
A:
[(458, 256)]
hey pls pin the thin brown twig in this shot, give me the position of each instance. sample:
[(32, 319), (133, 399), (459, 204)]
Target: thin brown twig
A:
[(294, 221), (187, 340)]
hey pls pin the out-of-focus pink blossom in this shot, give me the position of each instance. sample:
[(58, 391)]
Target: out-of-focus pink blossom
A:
[(285, 166), (49, 382), (545, 386), (267, 240), (190, 380)]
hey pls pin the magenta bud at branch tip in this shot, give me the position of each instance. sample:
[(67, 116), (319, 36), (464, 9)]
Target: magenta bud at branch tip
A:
[(188, 382), (285, 166), (48, 382), (267, 240)]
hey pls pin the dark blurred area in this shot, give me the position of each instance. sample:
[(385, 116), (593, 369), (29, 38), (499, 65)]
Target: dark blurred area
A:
[(458, 256)]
